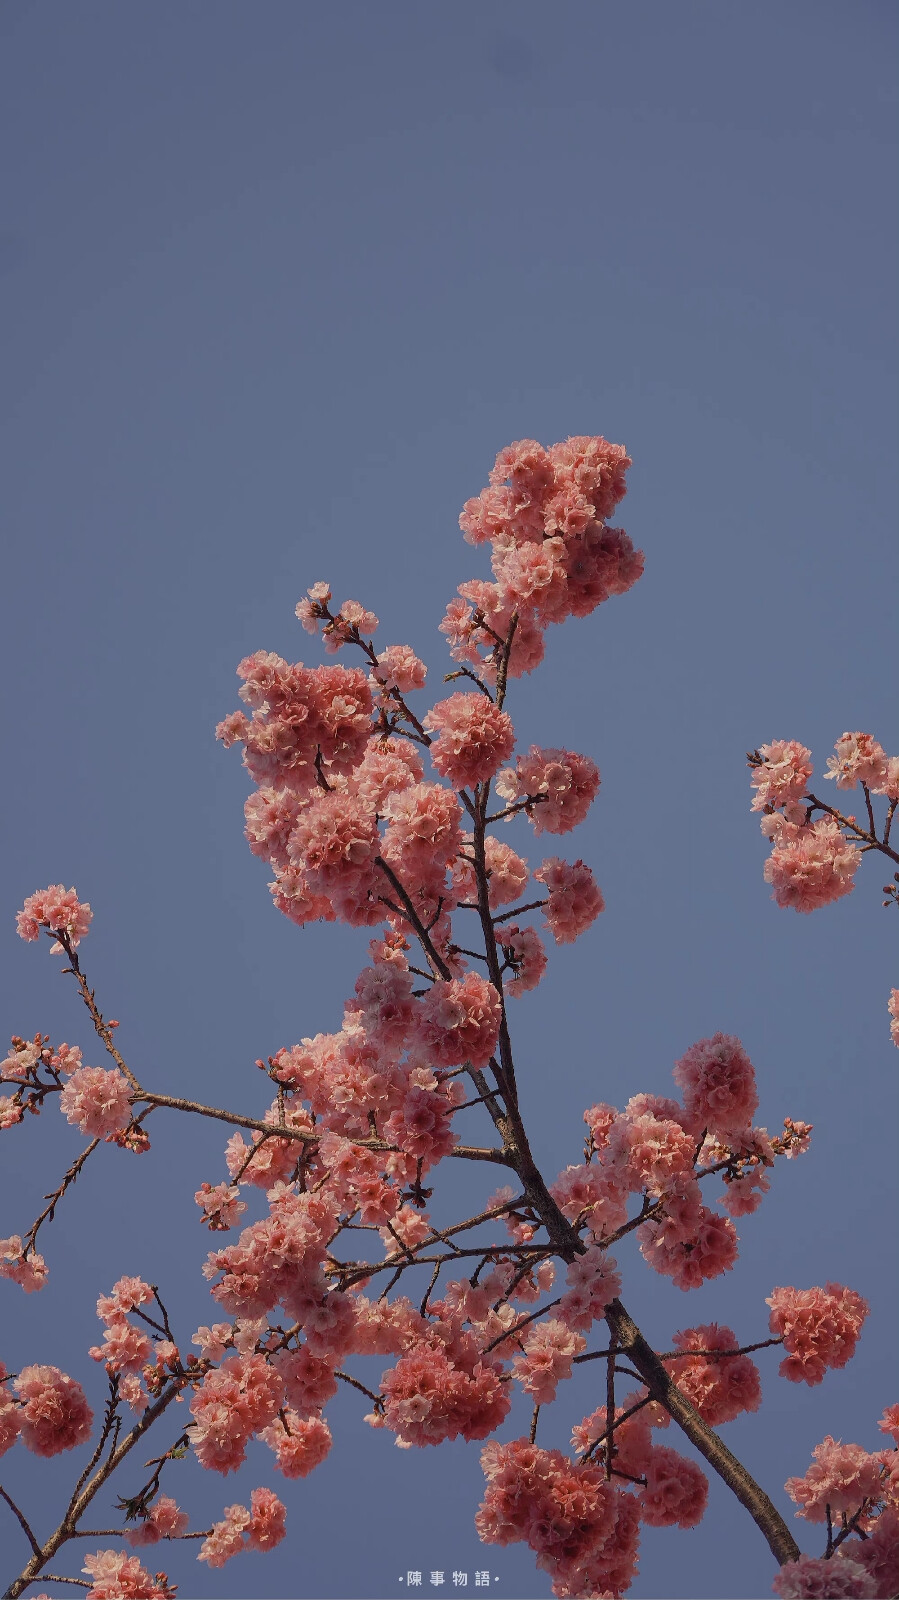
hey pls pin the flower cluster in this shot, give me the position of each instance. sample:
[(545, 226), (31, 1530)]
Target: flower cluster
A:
[(57, 909), (819, 1328), (553, 553)]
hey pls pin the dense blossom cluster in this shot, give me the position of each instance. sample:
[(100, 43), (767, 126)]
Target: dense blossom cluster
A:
[(553, 553), (356, 828), (819, 1328)]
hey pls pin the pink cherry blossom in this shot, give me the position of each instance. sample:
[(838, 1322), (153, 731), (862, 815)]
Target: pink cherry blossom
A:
[(9, 1420), (164, 1521), (124, 1349), (819, 1327), (117, 1576), (593, 1193), (57, 909), (566, 1512), (593, 1281), (816, 1577), (574, 901), (889, 1423), (718, 1081), (596, 467), (692, 1255), (96, 1101), (549, 1349), (423, 834), (227, 1537), (841, 1476), (676, 1491), (430, 1396), (565, 782), (893, 1009), (720, 1389), (54, 1414), (811, 865), (783, 774), (29, 1272), (459, 1021), (523, 951), (507, 872), (301, 1445), (267, 1523), (632, 1439), (221, 1205), (399, 668), (879, 1552), (474, 738), (888, 784), (235, 1400), (859, 759)]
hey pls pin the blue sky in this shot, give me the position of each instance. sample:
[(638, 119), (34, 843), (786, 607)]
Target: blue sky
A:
[(278, 282)]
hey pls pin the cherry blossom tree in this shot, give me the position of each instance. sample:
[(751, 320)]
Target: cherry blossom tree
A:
[(370, 810)]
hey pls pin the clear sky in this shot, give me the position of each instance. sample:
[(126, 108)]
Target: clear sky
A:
[(278, 282)]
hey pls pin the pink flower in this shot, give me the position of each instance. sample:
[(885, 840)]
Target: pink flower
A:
[(692, 1254), (574, 899), (96, 1101), (816, 1577), (334, 843), (524, 953), (593, 1282), (549, 1349), (29, 1272), (812, 865), (388, 767), (459, 1021), (718, 1081), (596, 467), (120, 1577), (859, 759), (888, 784), (423, 834), (633, 1438), (820, 1328), (221, 1206), (10, 1112), (235, 1400), (720, 1389), (565, 783), (270, 818), (227, 1537), (507, 873), (399, 668), (213, 1341), (164, 1521), (124, 1349), (9, 1420), (299, 1447), (842, 1476), (889, 1423), (383, 1003), (267, 1524), (126, 1295), (473, 739), (879, 1553), (893, 1009), (783, 774), (54, 1413), (58, 909), (430, 1397), (676, 1492), (309, 1380), (649, 1152), (565, 1511)]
